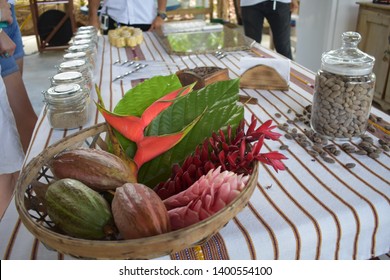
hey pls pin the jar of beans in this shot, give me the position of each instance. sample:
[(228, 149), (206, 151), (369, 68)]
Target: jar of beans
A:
[(344, 89)]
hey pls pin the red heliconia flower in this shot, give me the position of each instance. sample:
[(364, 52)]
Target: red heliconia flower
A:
[(208, 195), (133, 128), (233, 152)]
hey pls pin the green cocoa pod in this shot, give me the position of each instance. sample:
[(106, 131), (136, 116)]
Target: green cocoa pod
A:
[(98, 169), (78, 210)]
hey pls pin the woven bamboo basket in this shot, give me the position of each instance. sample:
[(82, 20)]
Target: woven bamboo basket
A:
[(36, 177)]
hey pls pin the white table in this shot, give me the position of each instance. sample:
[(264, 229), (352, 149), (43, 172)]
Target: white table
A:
[(314, 210)]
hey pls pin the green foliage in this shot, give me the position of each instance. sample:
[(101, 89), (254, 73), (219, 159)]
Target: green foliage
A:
[(218, 101), (137, 99), (216, 104)]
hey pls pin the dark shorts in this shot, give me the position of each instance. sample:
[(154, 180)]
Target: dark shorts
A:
[(112, 24), (9, 65)]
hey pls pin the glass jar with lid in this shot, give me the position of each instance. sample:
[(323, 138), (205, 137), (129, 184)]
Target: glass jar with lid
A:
[(67, 106), (85, 38), (88, 49), (88, 28), (75, 55), (88, 42), (78, 55), (78, 65), (344, 90), (71, 77)]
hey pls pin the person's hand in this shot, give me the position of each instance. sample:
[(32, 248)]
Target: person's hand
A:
[(5, 12), (156, 24), (294, 6), (7, 46)]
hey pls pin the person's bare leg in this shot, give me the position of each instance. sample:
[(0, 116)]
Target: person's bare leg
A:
[(7, 186), (22, 109)]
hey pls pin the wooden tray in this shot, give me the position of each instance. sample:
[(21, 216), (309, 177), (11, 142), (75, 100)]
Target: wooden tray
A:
[(263, 77), (36, 176)]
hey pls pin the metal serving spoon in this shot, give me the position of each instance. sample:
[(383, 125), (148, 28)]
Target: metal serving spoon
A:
[(120, 77)]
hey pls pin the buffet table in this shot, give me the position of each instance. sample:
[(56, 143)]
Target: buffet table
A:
[(313, 210)]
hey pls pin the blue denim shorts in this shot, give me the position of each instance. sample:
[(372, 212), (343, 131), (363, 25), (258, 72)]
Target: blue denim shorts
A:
[(9, 65)]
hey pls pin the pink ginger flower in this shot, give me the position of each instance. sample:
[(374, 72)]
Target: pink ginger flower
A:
[(205, 197)]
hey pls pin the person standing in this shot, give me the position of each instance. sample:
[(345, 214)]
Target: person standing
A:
[(141, 14), (11, 152), (278, 15), (12, 74)]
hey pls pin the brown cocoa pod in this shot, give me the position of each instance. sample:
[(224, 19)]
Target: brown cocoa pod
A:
[(139, 212), (98, 169)]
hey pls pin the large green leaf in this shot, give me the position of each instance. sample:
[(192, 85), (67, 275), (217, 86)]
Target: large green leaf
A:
[(137, 99), (218, 101)]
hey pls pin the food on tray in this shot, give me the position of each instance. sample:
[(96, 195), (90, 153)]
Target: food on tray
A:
[(125, 36)]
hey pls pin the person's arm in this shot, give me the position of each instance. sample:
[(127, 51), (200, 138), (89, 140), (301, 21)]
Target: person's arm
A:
[(7, 46), (5, 12), (159, 20), (93, 18)]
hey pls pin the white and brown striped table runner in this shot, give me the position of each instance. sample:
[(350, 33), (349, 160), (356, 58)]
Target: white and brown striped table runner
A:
[(314, 210)]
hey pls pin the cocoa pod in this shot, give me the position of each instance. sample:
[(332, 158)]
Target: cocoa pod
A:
[(139, 212), (98, 169), (78, 210)]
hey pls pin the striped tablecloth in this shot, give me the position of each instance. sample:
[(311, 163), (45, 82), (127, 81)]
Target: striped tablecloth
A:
[(314, 210)]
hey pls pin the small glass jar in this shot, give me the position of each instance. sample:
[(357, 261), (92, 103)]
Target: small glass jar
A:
[(78, 65), (85, 38), (89, 42), (67, 106), (88, 28), (76, 56), (71, 77), (344, 90), (88, 49)]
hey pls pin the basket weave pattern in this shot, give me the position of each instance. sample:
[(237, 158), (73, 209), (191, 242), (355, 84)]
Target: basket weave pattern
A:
[(30, 203)]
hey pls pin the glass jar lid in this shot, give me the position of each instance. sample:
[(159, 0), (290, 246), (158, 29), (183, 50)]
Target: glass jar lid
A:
[(72, 64), (86, 32), (76, 55), (70, 76), (82, 42), (348, 60), (79, 37), (63, 90), (79, 48), (87, 28), (65, 94)]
